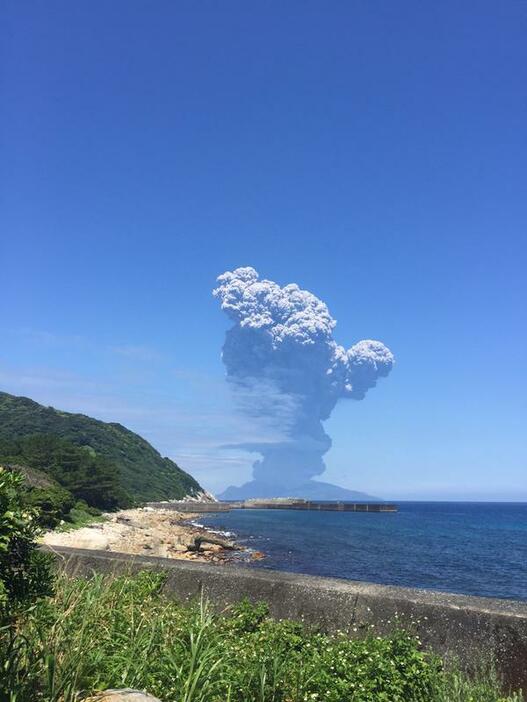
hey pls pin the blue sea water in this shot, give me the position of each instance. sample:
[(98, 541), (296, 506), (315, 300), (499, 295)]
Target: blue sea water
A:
[(470, 548)]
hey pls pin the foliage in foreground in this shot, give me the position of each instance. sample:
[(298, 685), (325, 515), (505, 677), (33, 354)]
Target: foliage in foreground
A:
[(123, 632), (25, 573)]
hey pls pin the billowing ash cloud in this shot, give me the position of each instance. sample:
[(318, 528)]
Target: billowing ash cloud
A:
[(283, 363)]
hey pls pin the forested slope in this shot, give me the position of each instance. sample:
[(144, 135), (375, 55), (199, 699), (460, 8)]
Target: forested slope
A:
[(139, 469)]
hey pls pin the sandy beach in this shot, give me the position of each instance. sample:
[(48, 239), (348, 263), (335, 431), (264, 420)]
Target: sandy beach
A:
[(153, 532)]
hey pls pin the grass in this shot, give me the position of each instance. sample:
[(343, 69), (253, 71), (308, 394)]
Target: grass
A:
[(123, 632)]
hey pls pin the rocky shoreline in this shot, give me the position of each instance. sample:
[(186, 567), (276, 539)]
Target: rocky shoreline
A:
[(165, 533)]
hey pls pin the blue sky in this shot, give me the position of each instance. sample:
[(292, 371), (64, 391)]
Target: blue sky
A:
[(373, 153)]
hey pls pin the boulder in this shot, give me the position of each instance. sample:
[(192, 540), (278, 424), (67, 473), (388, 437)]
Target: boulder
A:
[(179, 547), (212, 547), (122, 696)]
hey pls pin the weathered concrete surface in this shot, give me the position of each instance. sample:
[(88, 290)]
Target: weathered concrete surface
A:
[(471, 629)]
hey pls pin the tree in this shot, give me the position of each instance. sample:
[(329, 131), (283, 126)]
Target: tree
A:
[(83, 473)]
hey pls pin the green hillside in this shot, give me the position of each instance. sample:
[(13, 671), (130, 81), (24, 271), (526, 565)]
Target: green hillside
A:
[(143, 472)]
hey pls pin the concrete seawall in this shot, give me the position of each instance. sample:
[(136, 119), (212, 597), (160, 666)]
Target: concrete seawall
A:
[(471, 629)]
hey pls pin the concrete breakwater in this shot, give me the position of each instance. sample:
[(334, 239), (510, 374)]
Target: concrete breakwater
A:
[(474, 630), (204, 507), (322, 506)]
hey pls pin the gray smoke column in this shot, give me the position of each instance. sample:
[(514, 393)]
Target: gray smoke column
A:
[(286, 368)]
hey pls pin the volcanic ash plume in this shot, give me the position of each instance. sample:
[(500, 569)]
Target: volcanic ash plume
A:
[(287, 370)]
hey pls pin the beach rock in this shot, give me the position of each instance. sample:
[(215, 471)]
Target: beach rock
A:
[(129, 522), (179, 547), (208, 547), (159, 533), (122, 696)]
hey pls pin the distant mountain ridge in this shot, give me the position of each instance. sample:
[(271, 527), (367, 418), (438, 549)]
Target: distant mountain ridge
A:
[(309, 490), (144, 473)]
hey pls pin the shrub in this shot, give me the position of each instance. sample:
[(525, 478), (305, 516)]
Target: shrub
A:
[(122, 632), (53, 504), (24, 571)]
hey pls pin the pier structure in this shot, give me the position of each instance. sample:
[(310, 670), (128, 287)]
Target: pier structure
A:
[(313, 505), (280, 503)]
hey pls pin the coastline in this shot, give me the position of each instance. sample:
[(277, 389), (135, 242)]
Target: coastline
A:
[(477, 549), (147, 531)]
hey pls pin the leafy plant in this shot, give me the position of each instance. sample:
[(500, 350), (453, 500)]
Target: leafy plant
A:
[(53, 504), (123, 632), (24, 571), (25, 576)]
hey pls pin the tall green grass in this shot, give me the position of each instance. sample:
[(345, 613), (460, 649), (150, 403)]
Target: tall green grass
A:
[(122, 632)]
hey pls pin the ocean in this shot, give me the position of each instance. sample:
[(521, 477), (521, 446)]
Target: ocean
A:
[(469, 548)]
